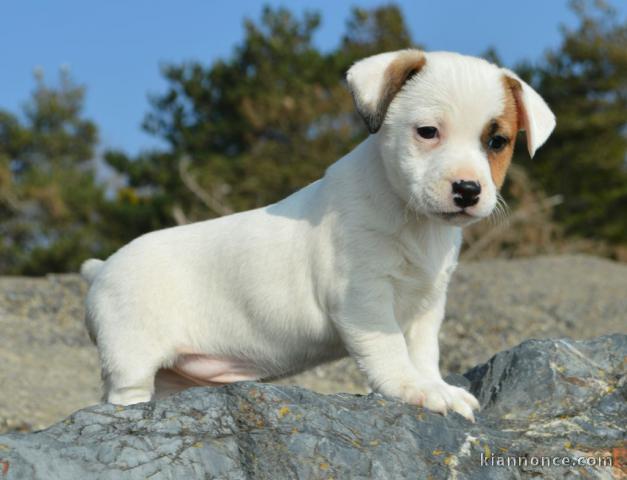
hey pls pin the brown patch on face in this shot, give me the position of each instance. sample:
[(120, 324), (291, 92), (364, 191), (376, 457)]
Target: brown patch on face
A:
[(405, 66), (506, 125)]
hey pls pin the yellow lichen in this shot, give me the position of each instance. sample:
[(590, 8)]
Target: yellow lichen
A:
[(486, 450)]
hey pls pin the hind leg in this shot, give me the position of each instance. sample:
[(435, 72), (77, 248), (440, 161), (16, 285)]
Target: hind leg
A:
[(129, 377), (127, 388)]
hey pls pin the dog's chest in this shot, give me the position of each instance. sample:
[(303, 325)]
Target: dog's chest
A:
[(426, 260)]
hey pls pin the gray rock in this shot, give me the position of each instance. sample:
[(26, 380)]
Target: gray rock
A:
[(542, 399)]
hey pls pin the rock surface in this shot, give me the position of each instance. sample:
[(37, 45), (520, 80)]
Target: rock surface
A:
[(543, 399), (49, 368)]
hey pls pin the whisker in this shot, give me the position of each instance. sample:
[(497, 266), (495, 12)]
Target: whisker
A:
[(501, 211), (505, 210)]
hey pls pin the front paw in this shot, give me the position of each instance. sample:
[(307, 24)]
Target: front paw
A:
[(438, 396)]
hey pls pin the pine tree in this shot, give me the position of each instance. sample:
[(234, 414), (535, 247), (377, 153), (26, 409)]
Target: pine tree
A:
[(585, 82), (48, 197), (259, 125)]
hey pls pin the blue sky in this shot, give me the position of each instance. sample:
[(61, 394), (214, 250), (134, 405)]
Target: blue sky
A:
[(115, 47)]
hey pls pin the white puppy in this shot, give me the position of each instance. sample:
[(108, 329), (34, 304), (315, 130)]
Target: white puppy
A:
[(356, 263)]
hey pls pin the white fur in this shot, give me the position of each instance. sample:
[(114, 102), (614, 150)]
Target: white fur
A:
[(90, 268), (357, 262)]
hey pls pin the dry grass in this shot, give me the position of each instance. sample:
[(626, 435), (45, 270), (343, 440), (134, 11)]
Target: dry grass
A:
[(527, 229)]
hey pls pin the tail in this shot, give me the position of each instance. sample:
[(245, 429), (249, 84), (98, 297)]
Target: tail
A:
[(90, 268)]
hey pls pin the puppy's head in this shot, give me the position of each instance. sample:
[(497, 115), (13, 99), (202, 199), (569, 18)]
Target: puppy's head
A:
[(446, 126)]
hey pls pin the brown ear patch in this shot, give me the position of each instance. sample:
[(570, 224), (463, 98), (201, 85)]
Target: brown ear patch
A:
[(514, 87), (506, 125), (404, 67)]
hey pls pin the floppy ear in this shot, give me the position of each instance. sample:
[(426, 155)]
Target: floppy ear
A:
[(534, 115), (374, 81)]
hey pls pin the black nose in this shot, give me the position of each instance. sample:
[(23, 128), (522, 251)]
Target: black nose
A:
[(466, 193)]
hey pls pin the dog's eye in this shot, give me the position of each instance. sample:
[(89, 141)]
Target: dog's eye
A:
[(497, 142), (427, 132)]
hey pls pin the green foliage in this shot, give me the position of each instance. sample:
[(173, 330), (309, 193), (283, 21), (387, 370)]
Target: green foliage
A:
[(47, 188), (585, 82), (265, 122)]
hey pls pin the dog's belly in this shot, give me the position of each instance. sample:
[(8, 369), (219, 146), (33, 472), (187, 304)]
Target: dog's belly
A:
[(193, 370), (208, 369)]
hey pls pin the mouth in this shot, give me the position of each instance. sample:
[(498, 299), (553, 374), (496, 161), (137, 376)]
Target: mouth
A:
[(456, 214), (457, 217)]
